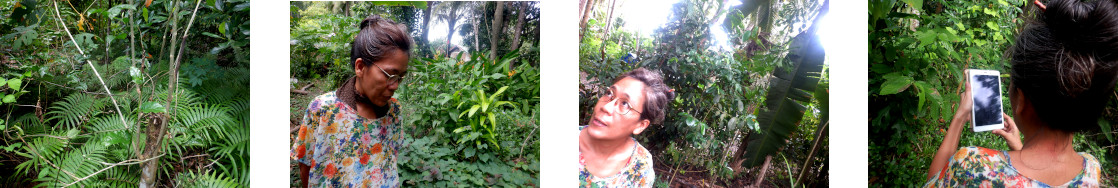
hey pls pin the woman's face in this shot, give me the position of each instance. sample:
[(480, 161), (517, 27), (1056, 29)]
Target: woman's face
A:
[(610, 120), (373, 83)]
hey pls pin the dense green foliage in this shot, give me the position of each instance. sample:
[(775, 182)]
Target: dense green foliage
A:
[(720, 106), (471, 120), (60, 127), (918, 53)]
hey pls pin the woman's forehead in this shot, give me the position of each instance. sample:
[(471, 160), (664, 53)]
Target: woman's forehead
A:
[(396, 60), (633, 87)]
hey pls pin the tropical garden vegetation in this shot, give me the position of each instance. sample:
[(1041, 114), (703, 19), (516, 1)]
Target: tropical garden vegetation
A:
[(750, 110), (918, 51), (470, 108), (149, 93)]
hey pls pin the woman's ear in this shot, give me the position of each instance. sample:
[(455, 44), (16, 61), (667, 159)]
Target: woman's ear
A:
[(1017, 102), (641, 125), (358, 66)]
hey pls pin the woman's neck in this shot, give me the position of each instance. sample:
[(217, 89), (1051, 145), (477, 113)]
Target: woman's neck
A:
[(1049, 141), (604, 147)]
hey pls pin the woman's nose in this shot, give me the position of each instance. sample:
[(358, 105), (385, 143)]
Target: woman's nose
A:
[(394, 86), (608, 107)]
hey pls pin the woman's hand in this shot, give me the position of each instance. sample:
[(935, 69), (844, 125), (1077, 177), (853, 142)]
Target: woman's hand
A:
[(1010, 133)]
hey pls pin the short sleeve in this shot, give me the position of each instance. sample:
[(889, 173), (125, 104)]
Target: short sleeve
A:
[(302, 149)]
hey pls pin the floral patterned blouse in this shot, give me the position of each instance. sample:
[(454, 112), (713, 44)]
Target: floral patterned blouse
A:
[(982, 167), (636, 173), (344, 149)]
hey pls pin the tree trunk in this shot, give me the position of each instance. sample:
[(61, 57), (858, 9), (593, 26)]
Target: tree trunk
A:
[(495, 32), (516, 31), (585, 17), (424, 48), (155, 132), (819, 136), (477, 21), (764, 170), (605, 35), (519, 25), (452, 18)]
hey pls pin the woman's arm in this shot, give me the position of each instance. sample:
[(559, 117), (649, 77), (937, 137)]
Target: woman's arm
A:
[(951, 141), (304, 172), (949, 146)]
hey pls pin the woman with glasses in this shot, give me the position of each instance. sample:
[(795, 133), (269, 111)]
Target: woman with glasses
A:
[(349, 137), (609, 156)]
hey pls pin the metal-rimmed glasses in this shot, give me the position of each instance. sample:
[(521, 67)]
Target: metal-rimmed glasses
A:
[(622, 106), (392, 79)]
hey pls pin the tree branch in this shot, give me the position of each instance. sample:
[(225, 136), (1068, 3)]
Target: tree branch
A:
[(67, 29), (111, 165)]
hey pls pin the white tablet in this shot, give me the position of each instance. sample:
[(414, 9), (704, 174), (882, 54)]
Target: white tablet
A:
[(986, 90)]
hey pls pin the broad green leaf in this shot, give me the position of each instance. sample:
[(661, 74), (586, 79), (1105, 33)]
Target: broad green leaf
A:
[(498, 93), (221, 27), (992, 25), (989, 11), (460, 129), (492, 121), (113, 12), (15, 83), (895, 83), (152, 107), (10, 99), (922, 87), (473, 109), (212, 35), (136, 76), (916, 4), (2, 81), (1104, 125), (926, 37)]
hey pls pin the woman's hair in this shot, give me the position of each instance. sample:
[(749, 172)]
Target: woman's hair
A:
[(377, 37), (657, 95), (1064, 62)]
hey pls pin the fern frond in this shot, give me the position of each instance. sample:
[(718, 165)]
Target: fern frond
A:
[(192, 179), (30, 124), (234, 152), (200, 124), (184, 98), (75, 110)]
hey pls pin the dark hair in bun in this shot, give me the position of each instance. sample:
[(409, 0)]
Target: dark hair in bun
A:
[(657, 95), (378, 36), (1064, 62)]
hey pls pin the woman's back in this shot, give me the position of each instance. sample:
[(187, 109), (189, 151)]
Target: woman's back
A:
[(977, 166)]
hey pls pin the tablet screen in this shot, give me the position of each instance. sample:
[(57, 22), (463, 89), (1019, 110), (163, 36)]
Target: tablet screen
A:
[(987, 100)]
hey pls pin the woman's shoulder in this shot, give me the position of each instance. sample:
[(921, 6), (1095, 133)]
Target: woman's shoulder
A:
[(1092, 169), (642, 161), (325, 100), (973, 154)]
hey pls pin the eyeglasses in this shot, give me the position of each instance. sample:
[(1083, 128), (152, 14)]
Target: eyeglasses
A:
[(622, 106), (392, 79)]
